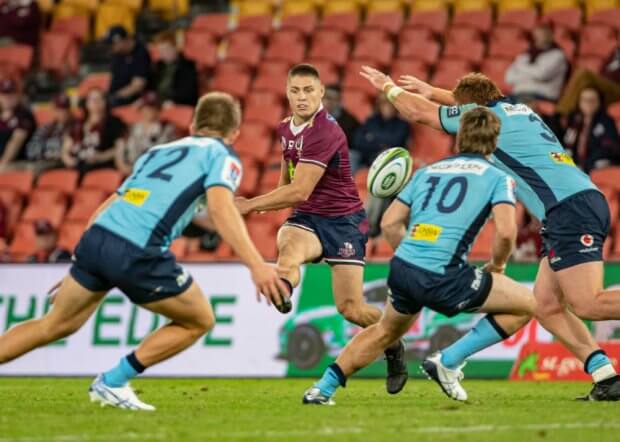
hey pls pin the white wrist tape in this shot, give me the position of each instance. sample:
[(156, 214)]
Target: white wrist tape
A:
[(394, 92)]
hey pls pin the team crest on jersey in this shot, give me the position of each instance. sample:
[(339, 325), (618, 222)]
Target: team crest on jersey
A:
[(425, 232), (347, 250), (231, 172), (453, 111), (562, 158), (297, 144)]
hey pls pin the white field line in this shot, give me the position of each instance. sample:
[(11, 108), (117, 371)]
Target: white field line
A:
[(325, 431)]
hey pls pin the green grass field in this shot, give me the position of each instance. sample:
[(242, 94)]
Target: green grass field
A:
[(58, 410)]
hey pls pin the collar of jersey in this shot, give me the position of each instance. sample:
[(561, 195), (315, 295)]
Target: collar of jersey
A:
[(298, 129)]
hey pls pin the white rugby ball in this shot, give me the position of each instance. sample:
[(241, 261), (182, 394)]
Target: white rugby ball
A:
[(390, 172)]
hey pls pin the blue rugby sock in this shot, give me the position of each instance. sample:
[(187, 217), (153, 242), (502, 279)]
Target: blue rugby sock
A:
[(128, 368), (486, 333), (331, 380), (599, 366)]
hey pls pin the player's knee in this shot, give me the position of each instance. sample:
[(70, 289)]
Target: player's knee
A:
[(350, 310), (546, 309), (204, 323), (55, 329)]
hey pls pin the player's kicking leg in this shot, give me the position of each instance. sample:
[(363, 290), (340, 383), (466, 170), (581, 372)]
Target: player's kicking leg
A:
[(190, 317), (72, 307), (361, 351), (510, 306), (552, 313), (348, 288)]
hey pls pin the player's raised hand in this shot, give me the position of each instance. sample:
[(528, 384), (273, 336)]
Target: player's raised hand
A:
[(413, 84), (377, 78), (269, 284)]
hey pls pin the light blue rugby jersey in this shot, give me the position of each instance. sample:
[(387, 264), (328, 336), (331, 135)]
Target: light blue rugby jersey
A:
[(167, 187), (529, 152), (450, 202)]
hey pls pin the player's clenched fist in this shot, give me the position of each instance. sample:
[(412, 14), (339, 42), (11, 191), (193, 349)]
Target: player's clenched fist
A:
[(268, 283)]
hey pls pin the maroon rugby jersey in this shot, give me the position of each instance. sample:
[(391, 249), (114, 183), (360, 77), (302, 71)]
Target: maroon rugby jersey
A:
[(322, 142)]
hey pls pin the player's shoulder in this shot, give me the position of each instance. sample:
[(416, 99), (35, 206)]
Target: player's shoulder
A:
[(325, 124)]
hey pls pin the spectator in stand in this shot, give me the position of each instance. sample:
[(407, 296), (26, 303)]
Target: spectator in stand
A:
[(382, 130), (333, 103), (174, 76), (529, 241), (591, 134), (47, 244), (92, 143), (17, 125), (539, 73), (607, 80), (149, 131), (130, 66), (20, 22), (44, 150)]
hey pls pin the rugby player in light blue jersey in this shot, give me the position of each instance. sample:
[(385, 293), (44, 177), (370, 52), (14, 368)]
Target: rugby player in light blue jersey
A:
[(126, 246), (432, 226), (574, 213)]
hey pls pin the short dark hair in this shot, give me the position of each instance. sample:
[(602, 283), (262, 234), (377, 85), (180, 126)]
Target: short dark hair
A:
[(305, 70)]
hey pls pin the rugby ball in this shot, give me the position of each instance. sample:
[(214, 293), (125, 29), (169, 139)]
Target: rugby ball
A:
[(390, 172)]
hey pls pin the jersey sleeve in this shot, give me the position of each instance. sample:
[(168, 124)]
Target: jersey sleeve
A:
[(406, 195), (450, 116), (320, 149), (504, 191), (223, 170)]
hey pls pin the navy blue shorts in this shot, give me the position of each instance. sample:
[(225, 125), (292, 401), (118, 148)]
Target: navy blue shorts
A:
[(575, 230), (104, 260), (459, 290), (343, 238)]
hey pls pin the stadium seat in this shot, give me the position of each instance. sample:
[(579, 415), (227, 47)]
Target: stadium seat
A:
[(13, 201), (298, 7), (268, 115), (428, 5), (507, 42), (249, 180), (390, 21), (70, 234), (520, 18), (304, 23), (261, 24), (274, 67), (63, 180), (436, 20), (415, 34), (17, 55), (329, 36), (380, 6), (85, 202), (480, 19), (54, 213), (564, 39), (20, 181), (429, 145), (382, 251), (377, 53), (47, 197), (336, 7), (555, 5), (272, 82), (78, 27), (495, 68), (179, 115), (59, 54), (216, 24), (254, 7), (248, 53), (43, 114), (515, 5), (348, 22), (200, 46), (597, 40), (287, 36), (593, 64), (291, 51), (472, 5), (169, 9), (424, 50), (252, 148), (269, 180), (448, 71), (179, 247), (357, 103), (606, 16), (237, 85), (100, 80), (481, 249), (107, 180), (569, 18), (243, 36), (611, 195), (328, 71), (336, 52), (416, 68), (263, 98), (226, 67), (23, 244), (464, 43), (366, 35), (256, 130), (109, 14), (353, 80), (460, 34), (264, 237), (130, 114), (607, 177)]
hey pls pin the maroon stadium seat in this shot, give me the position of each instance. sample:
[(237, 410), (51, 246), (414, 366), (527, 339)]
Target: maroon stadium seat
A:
[(261, 24), (390, 21), (597, 40), (520, 18), (237, 85), (216, 24), (305, 23), (427, 51), (377, 53), (568, 18), (416, 68), (291, 51), (435, 20), (480, 19), (348, 22), (495, 68), (336, 52)]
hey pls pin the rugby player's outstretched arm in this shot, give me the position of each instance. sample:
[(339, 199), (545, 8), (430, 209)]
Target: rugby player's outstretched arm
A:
[(413, 107), (505, 236), (307, 176), (394, 223), (428, 91)]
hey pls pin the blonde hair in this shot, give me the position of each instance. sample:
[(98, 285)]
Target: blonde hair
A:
[(478, 131), (217, 112), (476, 88)]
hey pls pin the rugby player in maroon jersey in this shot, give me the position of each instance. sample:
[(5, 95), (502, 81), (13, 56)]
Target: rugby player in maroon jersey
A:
[(329, 222)]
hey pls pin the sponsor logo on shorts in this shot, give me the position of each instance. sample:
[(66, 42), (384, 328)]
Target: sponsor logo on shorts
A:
[(347, 250), (562, 158), (425, 232), (553, 258), (182, 278), (137, 197), (475, 284), (587, 240), (461, 305)]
